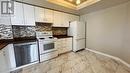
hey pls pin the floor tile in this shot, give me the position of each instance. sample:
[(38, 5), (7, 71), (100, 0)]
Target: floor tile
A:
[(80, 62)]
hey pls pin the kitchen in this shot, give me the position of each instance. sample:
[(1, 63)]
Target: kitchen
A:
[(37, 39)]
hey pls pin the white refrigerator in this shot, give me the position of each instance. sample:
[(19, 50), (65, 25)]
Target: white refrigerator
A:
[(77, 30)]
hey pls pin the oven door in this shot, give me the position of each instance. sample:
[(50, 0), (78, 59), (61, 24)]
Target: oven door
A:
[(26, 53), (46, 46)]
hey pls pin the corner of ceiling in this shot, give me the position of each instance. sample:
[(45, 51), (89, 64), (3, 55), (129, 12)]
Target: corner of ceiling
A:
[(72, 6)]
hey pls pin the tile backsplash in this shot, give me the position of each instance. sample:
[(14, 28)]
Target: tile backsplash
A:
[(59, 30), (23, 31), (6, 31), (43, 26), (17, 31)]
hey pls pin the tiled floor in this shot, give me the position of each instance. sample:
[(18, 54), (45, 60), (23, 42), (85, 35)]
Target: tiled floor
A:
[(81, 62)]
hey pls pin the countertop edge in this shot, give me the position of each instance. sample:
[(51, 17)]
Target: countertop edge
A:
[(60, 37), (3, 45), (5, 42)]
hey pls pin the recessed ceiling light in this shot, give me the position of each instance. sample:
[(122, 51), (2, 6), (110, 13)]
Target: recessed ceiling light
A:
[(78, 2)]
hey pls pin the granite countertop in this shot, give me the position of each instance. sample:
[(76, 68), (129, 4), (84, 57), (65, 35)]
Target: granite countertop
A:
[(2, 45), (5, 42), (61, 36)]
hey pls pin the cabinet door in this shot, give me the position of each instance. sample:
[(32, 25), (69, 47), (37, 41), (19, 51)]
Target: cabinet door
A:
[(39, 14), (63, 45), (3, 61), (29, 18), (5, 20), (48, 16), (76, 18), (69, 45), (17, 18), (57, 19), (59, 46), (65, 19), (73, 17)]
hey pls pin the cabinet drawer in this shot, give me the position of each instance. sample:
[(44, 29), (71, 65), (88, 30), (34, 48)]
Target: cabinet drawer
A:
[(47, 56)]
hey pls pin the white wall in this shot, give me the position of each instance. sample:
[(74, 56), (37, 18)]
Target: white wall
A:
[(108, 31)]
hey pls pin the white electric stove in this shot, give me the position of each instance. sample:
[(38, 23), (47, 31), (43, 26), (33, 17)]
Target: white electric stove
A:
[(47, 48)]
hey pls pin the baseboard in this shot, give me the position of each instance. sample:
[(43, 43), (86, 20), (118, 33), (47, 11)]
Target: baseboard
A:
[(113, 57)]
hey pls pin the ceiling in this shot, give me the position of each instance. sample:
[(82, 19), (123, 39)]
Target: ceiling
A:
[(97, 6), (74, 4), (103, 4), (74, 1)]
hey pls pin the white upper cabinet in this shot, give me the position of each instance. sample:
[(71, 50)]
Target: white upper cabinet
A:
[(76, 18), (43, 15), (73, 17), (39, 14), (18, 17), (27, 15), (23, 14), (29, 18), (48, 15), (57, 19), (62, 19), (65, 19), (4, 18)]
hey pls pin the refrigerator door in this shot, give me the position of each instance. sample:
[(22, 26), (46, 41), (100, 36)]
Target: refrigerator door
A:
[(77, 29), (80, 30), (72, 31), (78, 44)]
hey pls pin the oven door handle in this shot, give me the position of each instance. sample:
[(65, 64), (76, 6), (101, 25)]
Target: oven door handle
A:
[(30, 43)]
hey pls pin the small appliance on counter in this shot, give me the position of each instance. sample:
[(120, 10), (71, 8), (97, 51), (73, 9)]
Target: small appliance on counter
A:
[(77, 30), (46, 41)]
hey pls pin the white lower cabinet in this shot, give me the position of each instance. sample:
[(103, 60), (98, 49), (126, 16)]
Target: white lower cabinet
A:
[(3, 61), (63, 45), (69, 44)]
